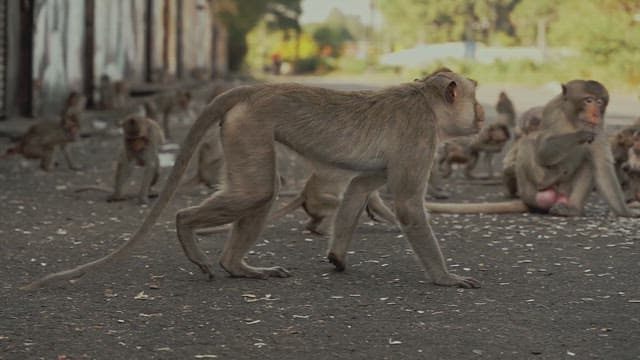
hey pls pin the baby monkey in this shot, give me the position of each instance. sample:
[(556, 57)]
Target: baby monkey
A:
[(466, 150), (142, 139)]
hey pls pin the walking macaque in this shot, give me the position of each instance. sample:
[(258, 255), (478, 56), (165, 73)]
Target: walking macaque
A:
[(41, 140), (385, 136), (142, 139), (557, 166), (113, 94), (321, 196), (506, 111), (466, 150), (163, 105)]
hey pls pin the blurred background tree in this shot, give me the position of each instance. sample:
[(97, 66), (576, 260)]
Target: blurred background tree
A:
[(241, 16), (602, 35)]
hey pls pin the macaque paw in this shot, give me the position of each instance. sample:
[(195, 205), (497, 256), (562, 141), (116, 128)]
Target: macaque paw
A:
[(75, 167), (585, 136), (457, 280), (144, 200), (562, 209), (338, 263)]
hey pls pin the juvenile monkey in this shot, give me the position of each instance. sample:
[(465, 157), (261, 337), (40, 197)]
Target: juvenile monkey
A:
[(163, 105), (620, 144), (628, 167), (113, 94), (142, 139), (506, 111), (41, 140), (368, 132), (557, 166), (466, 150), (321, 196)]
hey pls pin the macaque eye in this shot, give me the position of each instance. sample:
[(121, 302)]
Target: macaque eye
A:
[(589, 100), (600, 102)]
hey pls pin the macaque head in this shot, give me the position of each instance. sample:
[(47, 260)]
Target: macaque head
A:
[(136, 133), (498, 133), (586, 102), (532, 124), (105, 79), (455, 153), (76, 102), (465, 116)]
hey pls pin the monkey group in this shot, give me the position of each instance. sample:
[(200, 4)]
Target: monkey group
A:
[(358, 142)]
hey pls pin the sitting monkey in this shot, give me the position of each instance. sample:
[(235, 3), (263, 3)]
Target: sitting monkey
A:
[(43, 138), (466, 150), (142, 138)]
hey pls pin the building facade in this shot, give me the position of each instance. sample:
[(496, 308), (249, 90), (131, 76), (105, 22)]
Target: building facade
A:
[(49, 48)]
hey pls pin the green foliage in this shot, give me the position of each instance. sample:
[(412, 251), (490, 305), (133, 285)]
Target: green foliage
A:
[(241, 16)]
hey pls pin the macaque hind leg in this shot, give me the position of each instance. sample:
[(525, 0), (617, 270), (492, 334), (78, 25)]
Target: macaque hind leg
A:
[(245, 200), (244, 233)]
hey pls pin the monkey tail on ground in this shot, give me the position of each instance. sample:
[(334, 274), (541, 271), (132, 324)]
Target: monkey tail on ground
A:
[(93, 188), (212, 114), (502, 207)]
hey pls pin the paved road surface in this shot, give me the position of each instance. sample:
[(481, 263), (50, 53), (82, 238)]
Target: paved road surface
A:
[(553, 288)]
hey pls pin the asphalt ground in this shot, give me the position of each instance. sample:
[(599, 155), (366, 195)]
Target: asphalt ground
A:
[(552, 288)]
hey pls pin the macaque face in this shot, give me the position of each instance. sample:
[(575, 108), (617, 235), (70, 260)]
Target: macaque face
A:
[(589, 99)]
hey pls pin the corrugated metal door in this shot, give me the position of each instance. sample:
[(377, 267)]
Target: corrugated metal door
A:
[(3, 57)]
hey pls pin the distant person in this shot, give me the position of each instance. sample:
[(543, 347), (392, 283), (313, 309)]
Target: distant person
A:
[(276, 61)]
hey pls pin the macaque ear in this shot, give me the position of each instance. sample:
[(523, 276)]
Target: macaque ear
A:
[(564, 90), (450, 92)]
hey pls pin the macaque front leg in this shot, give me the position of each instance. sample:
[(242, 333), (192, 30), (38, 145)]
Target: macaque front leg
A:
[(551, 150), (67, 156), (123, 169), (46, 160), (488, 158), (408, 195), (165, 124), (346, 218), (473, 161), (148, 177)]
